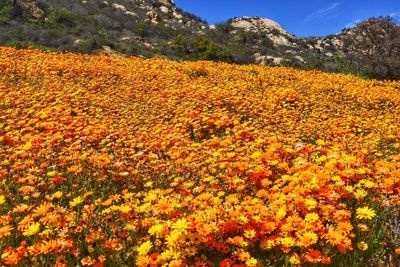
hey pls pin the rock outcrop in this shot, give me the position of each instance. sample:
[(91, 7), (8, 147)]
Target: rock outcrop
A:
[(257, 24), (31, 8)]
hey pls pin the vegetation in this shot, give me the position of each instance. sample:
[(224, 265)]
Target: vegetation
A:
[(377, 45), (344, 66), (200, 47), (88, 26), (5, 12), (134, 162)]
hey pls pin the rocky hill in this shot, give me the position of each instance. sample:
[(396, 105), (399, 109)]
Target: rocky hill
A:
[(128, 26), (159, 28)]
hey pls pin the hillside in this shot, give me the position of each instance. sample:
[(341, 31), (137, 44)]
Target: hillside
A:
[(129, 27), (158, 28), (151, 162)]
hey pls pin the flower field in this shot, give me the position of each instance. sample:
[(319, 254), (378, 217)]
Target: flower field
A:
[(135, 162)]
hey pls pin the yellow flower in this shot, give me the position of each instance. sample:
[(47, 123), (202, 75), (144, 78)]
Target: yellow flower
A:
[(181, 226), (2, 199), (76, 201), (130, 227), (369, 184), (156, 230), (307, 239), (310, 203), (27, 146), (295, 259), (251, 262), (311, 217), (280, 214), (360, 193), (144, 248), (287, 241), (172, 238), (169, 254), (128, 195), (32, 229), (320, 142), (349, 188), (148, 184), (51, 173), (249, 234), (365, 213), (256, 155), (362, 245), (58, 194), (125, 209)]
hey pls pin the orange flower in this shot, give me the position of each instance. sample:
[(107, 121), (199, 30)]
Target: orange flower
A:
[(42, 209), (5, 231), (88, 261), (333, 236)]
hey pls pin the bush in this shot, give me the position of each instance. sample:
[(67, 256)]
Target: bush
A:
[(61, 16), (201, 48), (5, 11), (26, 45), (344, 66)]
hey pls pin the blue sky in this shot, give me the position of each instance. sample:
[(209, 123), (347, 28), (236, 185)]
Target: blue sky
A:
[(302, 18)]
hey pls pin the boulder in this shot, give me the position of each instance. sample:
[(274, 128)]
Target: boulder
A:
[(130, 13), (259, 59), (164, 9), (279, 40), (300, 59), (126, 38), (106, 50), (153, 16), (277, 61), (77, 42), (119, 7), (167, 2), (31, 7), (257, 24), (177, 15)]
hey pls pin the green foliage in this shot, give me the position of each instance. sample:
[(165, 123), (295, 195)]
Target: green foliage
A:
[(26, 45), (5, 11), (62, 17), (344, 66), (275, 32), (201, 48)]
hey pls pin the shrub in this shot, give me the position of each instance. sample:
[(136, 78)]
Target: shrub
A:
[(61, 16), (201, 48), (5, 11)]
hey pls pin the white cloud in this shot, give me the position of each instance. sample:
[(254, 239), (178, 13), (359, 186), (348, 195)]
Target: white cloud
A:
[(323, 12)]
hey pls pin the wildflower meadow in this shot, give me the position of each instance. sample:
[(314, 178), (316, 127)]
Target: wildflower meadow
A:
[(152, 162)]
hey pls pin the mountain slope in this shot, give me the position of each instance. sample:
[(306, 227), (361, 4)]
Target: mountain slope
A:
[(131, 27), (159, 28)]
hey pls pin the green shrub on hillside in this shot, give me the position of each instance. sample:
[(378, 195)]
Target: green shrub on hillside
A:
[(5, 11), (61, 16), (201, 48), (344, 66)]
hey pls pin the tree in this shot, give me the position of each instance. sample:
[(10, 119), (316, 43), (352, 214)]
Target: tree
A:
[(375, 44)]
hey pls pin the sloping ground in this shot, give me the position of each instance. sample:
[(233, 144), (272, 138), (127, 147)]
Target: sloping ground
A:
[(150, 162)]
